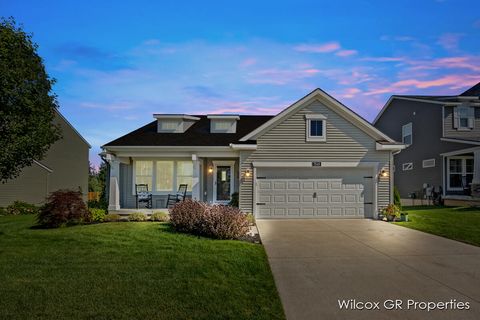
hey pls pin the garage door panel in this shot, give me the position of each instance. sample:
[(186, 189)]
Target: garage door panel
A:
[(341, 197)]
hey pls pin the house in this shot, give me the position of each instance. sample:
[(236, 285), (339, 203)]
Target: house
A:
[(443, 138), (315, 159), (65, 166)]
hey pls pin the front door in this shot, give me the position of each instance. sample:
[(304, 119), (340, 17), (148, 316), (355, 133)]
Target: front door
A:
[(223, 182)]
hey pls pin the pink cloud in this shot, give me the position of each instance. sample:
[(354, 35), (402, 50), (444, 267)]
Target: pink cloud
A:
[(450, 41), (346, 53), (453, 81), (248, 62), (383, 59), (349, 93), (318, 48)]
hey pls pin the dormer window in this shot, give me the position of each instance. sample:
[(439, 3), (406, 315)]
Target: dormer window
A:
[(223, 123), (174, 123), (316, 127)]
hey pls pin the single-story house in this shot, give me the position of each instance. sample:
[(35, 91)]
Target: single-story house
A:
[(65, 166), (315, 159)]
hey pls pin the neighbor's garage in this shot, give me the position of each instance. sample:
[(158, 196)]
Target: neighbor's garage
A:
[(313, 193)]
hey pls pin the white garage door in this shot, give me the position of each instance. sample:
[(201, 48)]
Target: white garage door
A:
[(341, 197)]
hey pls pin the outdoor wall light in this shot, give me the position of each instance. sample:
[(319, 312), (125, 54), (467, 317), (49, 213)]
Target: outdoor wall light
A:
[(383, 173), (248, 173), (210, 169)]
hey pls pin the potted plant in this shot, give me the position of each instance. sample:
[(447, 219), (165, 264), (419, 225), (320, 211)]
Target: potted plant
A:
[(404, 216), (391, 212)]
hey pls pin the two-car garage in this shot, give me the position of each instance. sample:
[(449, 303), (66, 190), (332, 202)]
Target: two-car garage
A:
[(299, 192)]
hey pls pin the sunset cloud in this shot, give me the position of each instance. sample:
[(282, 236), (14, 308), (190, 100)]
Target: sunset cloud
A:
[(450, 41), (346, 53), (318, 48)]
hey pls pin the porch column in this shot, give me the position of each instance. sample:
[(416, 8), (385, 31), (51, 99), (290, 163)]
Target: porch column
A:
[(476, 174), (196, 178), (114, 191)]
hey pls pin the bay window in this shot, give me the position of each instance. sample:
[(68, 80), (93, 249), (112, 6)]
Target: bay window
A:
[(163, 176)]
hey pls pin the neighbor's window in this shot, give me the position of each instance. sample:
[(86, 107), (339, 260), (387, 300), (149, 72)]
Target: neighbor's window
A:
[(185, 173), (144, 173), (465, 117), (164, 176), (316, 128), (460, 173), (407, 136)]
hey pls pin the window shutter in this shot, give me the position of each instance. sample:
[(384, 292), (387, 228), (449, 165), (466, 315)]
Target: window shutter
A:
[(471, 117), (455, 117)]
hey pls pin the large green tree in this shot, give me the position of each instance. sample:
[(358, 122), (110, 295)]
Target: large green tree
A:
[(27, 104)]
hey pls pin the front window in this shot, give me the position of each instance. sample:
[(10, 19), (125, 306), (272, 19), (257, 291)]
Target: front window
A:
[(164, 176), (407, 134), (144, 173), (185, 174), (460, 173)]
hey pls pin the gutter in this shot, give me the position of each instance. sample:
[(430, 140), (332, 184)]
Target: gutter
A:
[(243, 146)]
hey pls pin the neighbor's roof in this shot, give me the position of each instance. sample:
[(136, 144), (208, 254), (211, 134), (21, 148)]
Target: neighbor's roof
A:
[(473, 91), (197, 135)]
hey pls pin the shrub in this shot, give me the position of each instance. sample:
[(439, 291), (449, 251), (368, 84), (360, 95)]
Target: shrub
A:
[(250, 218), (159, 216), (215, 221), (391, 211), (186, 215), (234, 201), (112, 217), (396, 198), (97, 215), (137, 216), (3, 212), (98, 204), (20, 207), (63, 207)]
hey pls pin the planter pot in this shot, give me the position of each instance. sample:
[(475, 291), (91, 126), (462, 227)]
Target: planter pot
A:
[(381, 216), (404, 217), (390, 218)]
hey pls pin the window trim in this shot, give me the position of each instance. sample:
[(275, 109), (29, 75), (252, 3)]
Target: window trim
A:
[(429, 166), (411, 133), (154, 175), (316, 117), (463, 173), (467, 110), (407, 165)]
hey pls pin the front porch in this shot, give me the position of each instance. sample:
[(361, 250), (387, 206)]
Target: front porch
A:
[(209, 179), (461, 181)]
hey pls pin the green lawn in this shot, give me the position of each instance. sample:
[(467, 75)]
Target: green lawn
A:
[(457, 223), (130, 270)]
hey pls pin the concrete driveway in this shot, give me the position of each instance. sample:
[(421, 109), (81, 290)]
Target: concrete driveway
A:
[(317, 262)]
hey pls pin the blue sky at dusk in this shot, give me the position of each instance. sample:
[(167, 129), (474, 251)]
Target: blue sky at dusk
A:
[(117, 62)]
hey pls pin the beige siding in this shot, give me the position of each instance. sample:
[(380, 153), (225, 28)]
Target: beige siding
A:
[(286, 142), (68, 158)]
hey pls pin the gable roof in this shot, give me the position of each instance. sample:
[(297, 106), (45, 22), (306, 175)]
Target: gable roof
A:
[(331, 102), (197, 135), (72, 127), (473, 91)]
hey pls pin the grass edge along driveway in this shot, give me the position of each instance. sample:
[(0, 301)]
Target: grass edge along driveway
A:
[(456, 223), (130, 270)]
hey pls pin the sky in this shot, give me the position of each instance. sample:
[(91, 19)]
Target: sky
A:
[(118, 62)]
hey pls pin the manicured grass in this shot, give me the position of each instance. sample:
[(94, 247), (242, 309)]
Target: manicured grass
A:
[(457, 223), (130, 270)]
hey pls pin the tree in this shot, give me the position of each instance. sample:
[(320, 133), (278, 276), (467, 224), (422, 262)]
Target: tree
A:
[(27, 105)]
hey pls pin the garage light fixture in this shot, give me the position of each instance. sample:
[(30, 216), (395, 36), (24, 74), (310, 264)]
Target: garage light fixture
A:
[(383, 173)]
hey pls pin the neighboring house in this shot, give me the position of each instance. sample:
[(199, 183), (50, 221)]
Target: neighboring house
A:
[(65, 166), (315, 159), (443, 138)]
